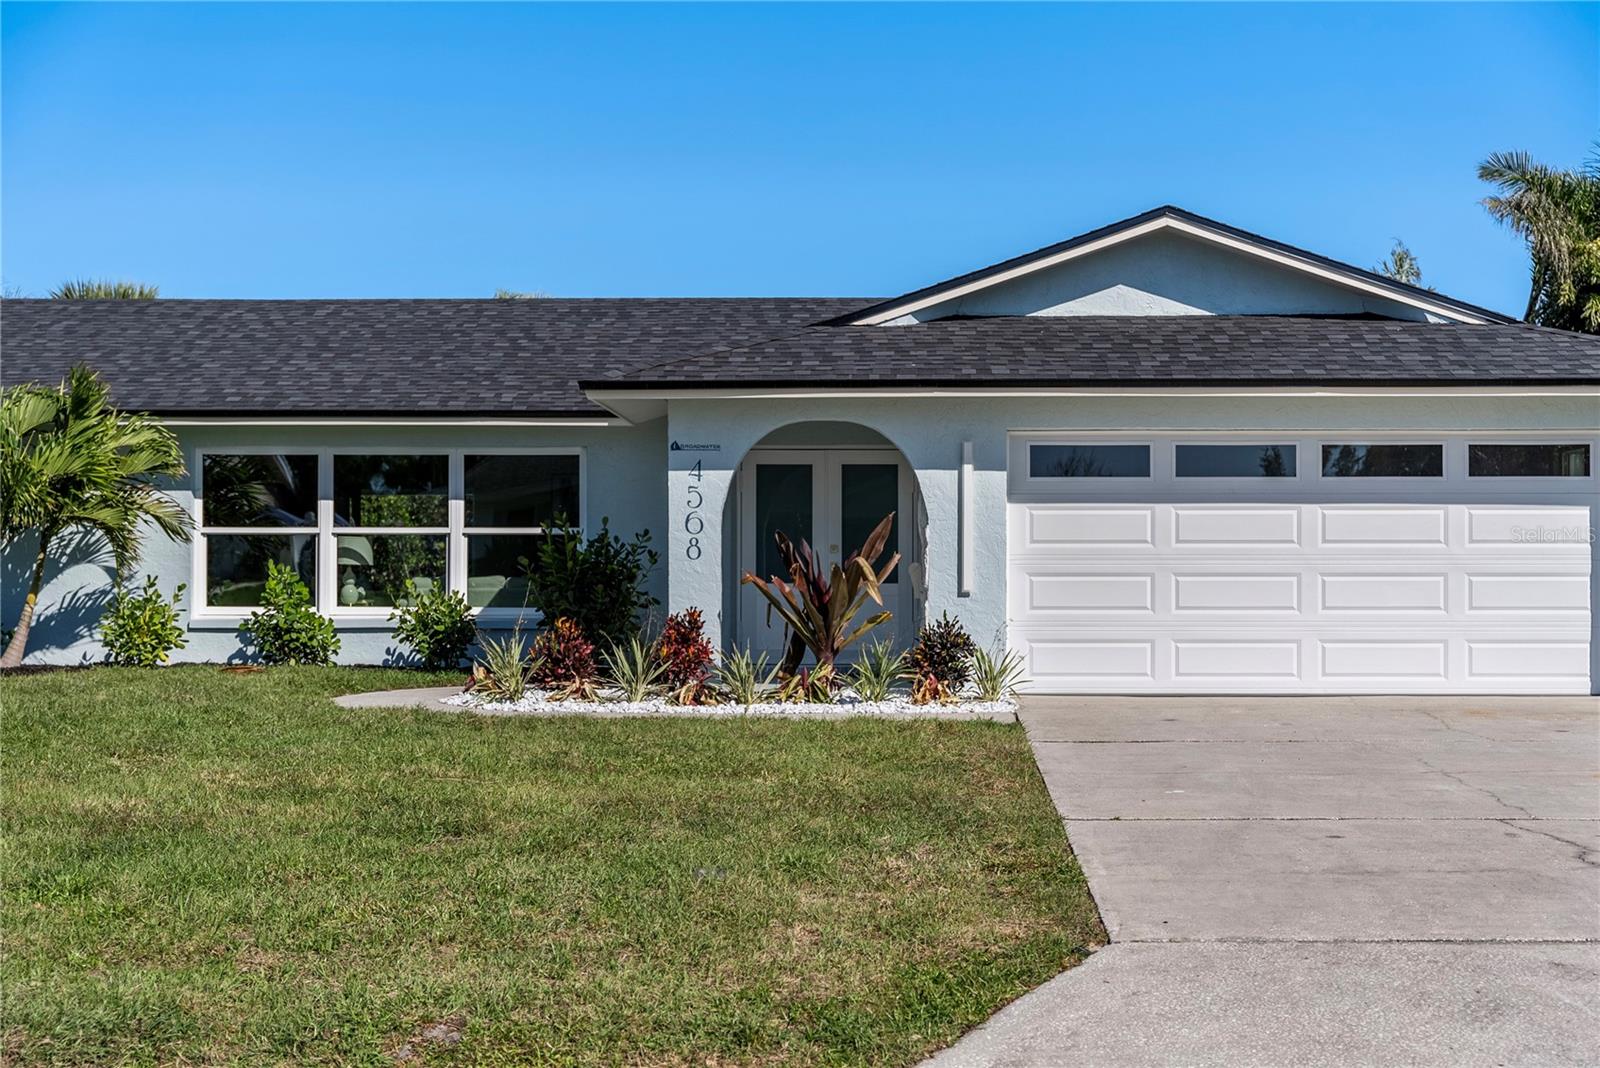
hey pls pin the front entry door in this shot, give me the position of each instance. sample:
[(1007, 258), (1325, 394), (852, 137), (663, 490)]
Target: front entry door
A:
[(832, 498)]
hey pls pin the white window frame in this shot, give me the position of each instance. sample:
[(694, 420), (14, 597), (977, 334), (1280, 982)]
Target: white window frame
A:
[(326, 595), (201, 608), (460, 531)]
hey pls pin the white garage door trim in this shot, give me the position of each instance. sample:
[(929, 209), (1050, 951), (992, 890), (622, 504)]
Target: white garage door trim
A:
[(1302, 584)]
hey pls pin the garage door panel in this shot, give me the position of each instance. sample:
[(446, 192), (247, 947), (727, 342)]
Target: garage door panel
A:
[(1358, 659), (1365, 592), (1528, 592), (1236, 593), (1092, 661), (1079, 592), (1527, 528), (1255, 660), (1047, 528), (1235, 526), (1490, 660), (1383, 527)]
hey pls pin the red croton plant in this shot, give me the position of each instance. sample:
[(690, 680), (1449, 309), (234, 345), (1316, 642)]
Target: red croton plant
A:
[(819, 605)]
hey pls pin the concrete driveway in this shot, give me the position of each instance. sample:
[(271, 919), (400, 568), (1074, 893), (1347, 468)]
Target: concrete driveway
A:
[(1322, 881)]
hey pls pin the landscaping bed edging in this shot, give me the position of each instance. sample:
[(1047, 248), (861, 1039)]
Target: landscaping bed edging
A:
[(537, 704)]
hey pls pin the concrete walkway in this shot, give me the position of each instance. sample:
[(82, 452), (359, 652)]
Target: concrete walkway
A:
[(1322, 881)]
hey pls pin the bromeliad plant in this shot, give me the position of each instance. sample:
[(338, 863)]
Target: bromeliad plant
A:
[(819, 609), (634, 670)]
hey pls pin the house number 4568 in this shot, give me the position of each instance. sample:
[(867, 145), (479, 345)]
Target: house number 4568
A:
[(694, 522)]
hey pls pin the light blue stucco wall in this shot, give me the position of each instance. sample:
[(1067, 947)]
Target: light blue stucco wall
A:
[(624, 482), (930, 431), (636, 479)]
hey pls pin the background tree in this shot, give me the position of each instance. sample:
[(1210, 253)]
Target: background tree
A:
[(69, 460), (1401, 265), (103, 289), (1557, 212)]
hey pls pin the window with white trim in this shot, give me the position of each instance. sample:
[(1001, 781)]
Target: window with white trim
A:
[(257, 509), (374, 525), (508, 502)]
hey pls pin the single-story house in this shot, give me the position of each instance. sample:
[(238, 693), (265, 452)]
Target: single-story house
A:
[(1165, 456)]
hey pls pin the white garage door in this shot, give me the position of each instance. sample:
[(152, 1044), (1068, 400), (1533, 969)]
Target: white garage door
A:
[(1311, 565)]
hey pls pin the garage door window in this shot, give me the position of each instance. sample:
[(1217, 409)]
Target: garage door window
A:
[(1236, 461), (1528, 461), (1088, 461), (1383, 461)]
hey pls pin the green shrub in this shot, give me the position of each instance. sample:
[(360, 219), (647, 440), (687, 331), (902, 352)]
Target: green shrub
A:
[(141, 629), (875, 673), (286, 629), (437, 624), (598, 584), (941, 661)]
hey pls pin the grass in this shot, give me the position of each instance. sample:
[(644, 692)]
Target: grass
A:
[(222, 868)]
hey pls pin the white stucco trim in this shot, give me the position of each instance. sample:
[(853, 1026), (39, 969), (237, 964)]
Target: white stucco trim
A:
[(378, 421), (967, 536), (635, 406), (1202, 233)]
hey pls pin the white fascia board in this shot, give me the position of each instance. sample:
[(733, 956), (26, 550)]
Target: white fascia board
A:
[(447, 421), (632, 400), (1342, 278)]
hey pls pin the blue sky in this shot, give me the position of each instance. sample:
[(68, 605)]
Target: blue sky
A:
[(301, 150)]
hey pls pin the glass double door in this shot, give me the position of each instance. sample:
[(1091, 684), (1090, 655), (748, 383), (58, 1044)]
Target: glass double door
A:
[(832, 498)]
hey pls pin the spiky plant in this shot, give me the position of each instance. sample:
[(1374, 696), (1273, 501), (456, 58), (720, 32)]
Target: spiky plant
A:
[(501, 671), (819, 605), (745, 679), (875, 672), (996, 673), (633, 670)]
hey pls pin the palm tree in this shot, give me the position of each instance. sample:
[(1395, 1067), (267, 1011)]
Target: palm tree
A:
[(98, 289), (69, 460), (1558, 213), (1401, 265)]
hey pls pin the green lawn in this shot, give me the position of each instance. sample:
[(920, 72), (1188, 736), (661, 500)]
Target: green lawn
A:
[(210, 867)]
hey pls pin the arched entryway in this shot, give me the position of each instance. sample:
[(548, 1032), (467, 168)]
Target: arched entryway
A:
[(830, 483)]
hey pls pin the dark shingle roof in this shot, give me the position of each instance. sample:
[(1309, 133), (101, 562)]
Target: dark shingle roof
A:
[(1066, 350), (372, 357), (483, 357)]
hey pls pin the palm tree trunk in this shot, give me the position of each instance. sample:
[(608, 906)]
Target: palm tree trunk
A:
[(19, 637)]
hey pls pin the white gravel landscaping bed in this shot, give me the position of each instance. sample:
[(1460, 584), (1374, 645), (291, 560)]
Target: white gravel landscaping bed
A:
[(848, 705)]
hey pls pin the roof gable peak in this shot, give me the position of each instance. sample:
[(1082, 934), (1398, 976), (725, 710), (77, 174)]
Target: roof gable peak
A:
[(1259, 253)]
